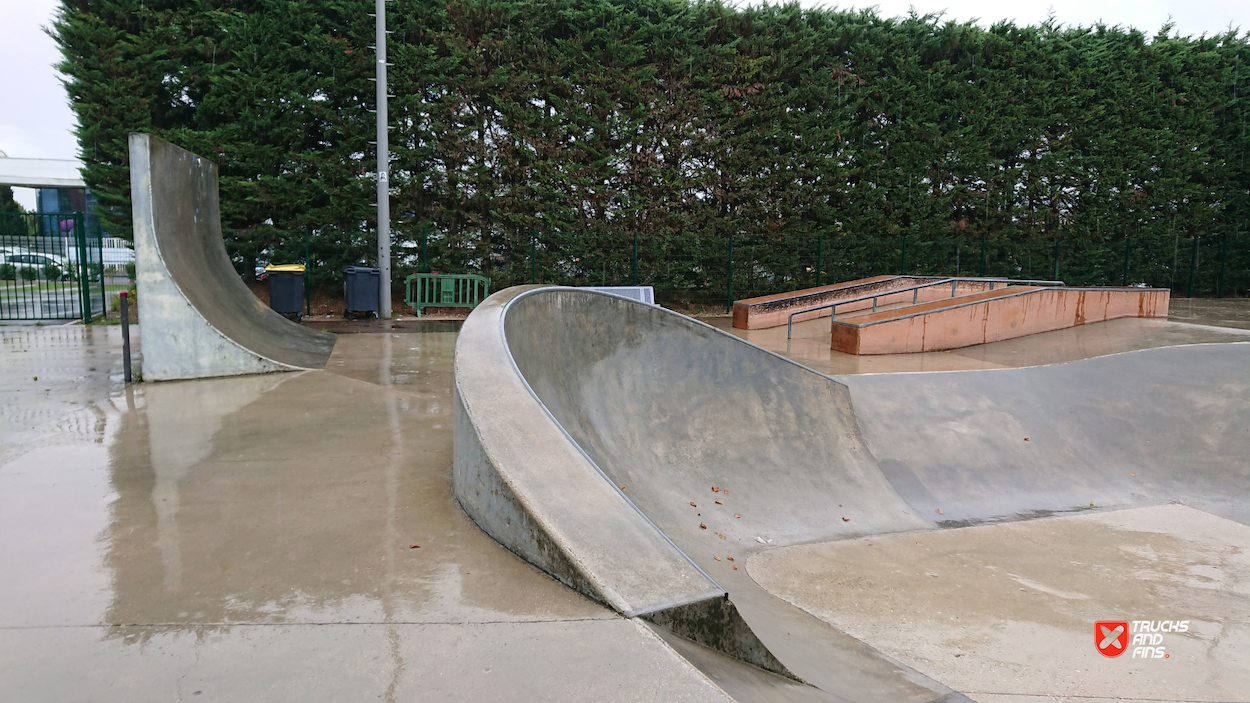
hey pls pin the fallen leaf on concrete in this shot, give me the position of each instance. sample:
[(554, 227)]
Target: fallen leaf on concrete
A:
[(702, 526), (846, 519), (737, 515), (760, 540), (735, 568), (1133, 473), (414, 546), (1026, 439), (715, 488), (622, 488), (719, 503), (726, 491), (730, 557), (939, 511), (693, 505), (716, 557), (1091, 504), (722, 536)]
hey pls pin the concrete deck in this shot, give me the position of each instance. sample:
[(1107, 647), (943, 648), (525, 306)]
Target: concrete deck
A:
[(249, 538)]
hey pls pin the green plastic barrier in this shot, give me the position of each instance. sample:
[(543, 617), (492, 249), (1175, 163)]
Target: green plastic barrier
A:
[(445, 290)]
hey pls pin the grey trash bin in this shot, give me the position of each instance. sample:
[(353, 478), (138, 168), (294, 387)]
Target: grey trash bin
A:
[(286, 289), (360, 287)]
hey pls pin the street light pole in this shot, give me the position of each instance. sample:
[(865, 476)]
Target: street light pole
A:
[(384, 166)]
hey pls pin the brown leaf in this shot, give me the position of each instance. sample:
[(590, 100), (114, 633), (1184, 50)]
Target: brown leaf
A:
[(1132, 474), (726, 491), (846, 519), (939, 512), (1026, 439), (414, 546), (622, 488), (702, 526), (716, 557), (735, 568), (693, 505), (719, 503), (737, 515), (730, 557), (715, 489)]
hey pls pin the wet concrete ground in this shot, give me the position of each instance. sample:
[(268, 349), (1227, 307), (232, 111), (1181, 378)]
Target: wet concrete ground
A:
[(251, 539), (1005, 612)]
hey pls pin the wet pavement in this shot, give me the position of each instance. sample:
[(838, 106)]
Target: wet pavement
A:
[(1005, 612), (253, 538)]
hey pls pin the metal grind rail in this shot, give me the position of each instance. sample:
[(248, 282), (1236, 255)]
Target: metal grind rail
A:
[(954, 281)]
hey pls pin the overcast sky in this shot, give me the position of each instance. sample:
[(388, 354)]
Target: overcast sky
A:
[(35, 119)]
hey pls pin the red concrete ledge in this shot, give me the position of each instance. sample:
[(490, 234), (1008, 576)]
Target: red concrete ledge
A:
[(991, 316)]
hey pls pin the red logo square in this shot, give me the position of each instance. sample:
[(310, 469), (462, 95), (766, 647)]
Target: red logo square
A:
[(1111, 637)]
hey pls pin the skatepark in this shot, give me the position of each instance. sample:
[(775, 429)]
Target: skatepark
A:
[(576, 496)]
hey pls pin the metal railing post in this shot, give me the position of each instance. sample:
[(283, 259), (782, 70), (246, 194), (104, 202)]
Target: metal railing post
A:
[(125, 297), (84, 277)]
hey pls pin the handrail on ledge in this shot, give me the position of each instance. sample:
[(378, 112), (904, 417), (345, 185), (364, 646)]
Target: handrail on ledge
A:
[(953, 280)]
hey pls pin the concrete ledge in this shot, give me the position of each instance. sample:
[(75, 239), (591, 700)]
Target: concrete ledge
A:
[(527, 484), (991, 316)]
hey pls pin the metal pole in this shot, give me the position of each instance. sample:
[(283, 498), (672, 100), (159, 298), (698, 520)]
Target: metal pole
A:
[(635, 258), (820, 250), (729, 276), (125, 296), (384, 166), (307, 295), (84, 269), (1193, 264), (1128, 242)]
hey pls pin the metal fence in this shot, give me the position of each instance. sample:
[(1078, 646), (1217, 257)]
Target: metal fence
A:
[(716, 271), (52, 268)]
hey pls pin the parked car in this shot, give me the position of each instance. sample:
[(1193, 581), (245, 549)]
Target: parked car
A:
[(39, 262)]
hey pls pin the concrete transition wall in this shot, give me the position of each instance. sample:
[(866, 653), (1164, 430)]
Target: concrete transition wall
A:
[(586, 425), (199, 319)]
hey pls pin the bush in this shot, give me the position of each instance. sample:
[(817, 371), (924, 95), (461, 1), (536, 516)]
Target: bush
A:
[(130, 270), (8, 272), (52, 272), (28, 273)]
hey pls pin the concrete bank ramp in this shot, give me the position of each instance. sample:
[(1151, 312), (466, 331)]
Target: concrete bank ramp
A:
[(1125, 430), (640, 456), (199, 319)]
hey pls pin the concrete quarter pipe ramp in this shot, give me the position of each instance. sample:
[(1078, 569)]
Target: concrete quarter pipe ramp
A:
[(640, 457), (199, 319)]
